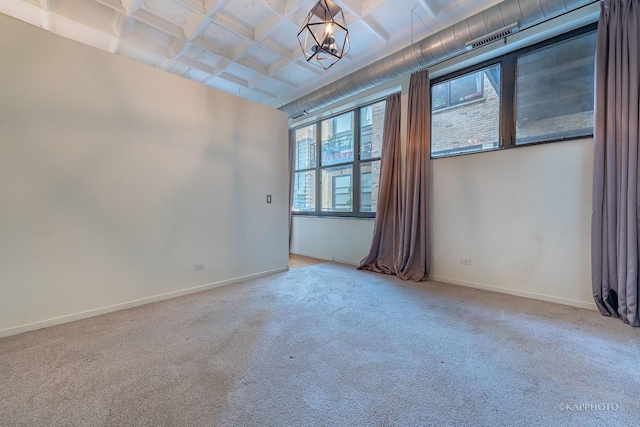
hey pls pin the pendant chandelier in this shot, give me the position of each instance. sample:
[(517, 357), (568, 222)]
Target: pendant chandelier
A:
[(324, 37)]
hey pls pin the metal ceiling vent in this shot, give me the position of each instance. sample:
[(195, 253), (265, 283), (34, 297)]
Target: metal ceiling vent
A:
[(502, 33), (437, 47)]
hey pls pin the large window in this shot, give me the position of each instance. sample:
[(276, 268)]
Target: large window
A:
[(542, 93), (346, 179)]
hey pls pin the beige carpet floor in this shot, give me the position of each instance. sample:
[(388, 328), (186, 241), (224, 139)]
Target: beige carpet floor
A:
[(327, 345)]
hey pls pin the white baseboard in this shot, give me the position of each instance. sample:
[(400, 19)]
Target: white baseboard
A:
[(130, 304), (549, 298), (310, 255), (347, 261), (327, 258)]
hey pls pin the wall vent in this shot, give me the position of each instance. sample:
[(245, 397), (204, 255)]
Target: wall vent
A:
[(492, 37)]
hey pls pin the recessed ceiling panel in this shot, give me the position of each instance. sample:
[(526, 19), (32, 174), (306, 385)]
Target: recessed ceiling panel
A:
[(151, 37), (297, 75), (284, 36), (216, 35), (395, 16), (242, 72), (92, 14), (363, 40), (227, 86), (86, 34), (246, 44), (168, 11), (274, 86), (202, 56), (251, 12), (260, 56), (191, 73), (146, 56)]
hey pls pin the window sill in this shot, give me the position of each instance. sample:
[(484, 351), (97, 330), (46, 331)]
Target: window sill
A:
[(313, 215)]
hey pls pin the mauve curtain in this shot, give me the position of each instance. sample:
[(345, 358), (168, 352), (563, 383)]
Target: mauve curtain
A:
[(292, 165), (384, 246), (414, 258), (614, 228)]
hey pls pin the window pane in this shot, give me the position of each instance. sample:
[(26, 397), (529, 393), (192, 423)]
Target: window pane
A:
[(554, 91), (371, 127), (337, 189), (305, 148), (304, 191), (369, 185), (439, 96), (337, 139), (470, 126), (467, 88)]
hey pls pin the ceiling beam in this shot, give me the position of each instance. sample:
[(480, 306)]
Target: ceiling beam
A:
[(113, 4), (212, 6), (431, 6), (378, 31), (370, 6), (131, 6), (159, 23), (196, 25), (204, 44), (264, 28), (234, 24)]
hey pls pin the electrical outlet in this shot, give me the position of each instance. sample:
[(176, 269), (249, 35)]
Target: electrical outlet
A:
[(268, 198), (465, 261), (198, 266)]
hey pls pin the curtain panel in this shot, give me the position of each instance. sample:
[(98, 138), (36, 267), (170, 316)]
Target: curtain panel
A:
[(414, 260), (292, 165), (401, 244), (615, 216), (386, 231)]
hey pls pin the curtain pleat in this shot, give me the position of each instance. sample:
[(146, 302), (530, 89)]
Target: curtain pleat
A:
[(414, 258), (386, 231), (616, 208)]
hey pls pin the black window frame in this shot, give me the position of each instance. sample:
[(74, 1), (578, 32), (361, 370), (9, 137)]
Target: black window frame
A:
[(355, 164), (507, 114)]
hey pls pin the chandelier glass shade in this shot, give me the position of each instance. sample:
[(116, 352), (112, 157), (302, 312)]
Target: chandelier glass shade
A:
[(324, 37)]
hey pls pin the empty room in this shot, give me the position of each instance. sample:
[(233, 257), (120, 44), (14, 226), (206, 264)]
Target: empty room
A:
[(319, 213)]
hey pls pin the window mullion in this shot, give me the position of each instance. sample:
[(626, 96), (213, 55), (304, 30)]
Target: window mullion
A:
[(318, 138), (355, 191)]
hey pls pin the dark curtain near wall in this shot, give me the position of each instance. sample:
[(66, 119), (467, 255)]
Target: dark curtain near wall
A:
[(414, 260), (292, 165), (406, 241), (614, 233), (386, 231)]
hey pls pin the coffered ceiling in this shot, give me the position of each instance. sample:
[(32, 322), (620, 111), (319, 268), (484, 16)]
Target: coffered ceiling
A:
[(246, 47)]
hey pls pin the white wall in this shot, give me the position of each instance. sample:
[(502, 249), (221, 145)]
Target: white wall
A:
[(337, 239), (523, 217), (115, 178)]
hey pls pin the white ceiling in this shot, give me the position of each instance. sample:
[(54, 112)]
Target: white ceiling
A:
[(246, 47)]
